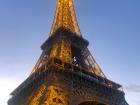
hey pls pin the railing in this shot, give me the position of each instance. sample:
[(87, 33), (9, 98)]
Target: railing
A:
[(83, 72)]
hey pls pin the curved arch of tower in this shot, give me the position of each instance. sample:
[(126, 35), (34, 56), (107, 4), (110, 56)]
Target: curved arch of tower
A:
[(66, 72)]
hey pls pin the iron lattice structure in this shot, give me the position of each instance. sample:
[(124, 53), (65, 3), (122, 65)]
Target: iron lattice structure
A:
[(66, 72), (65, 17)]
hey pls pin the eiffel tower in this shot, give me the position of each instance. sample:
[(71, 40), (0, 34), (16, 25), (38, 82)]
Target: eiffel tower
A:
[(66, 72)]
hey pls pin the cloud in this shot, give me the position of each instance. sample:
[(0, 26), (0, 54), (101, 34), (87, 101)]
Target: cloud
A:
[(133, 88), (136, 103)]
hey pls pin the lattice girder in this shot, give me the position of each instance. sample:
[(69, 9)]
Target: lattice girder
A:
[(65, 17), (72, 50)]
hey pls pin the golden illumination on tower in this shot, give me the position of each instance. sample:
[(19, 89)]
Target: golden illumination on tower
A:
[(65, 52), (34, 98), (55, 96), (66, 72), (65, 17)]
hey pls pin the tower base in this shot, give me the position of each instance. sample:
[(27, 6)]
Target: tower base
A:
[(57, 85)]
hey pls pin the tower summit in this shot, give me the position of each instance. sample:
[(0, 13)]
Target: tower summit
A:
[(66, 72), (65, 17)]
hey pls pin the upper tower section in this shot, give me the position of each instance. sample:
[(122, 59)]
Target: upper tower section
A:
[(65, 17)]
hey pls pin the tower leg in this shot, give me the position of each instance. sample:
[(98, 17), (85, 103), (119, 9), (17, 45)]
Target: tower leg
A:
[(56, 95)]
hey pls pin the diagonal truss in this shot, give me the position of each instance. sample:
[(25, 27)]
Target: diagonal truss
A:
[(93, 67)]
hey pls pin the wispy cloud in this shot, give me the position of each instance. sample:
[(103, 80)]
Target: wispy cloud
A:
[(133, 88), (136, 103)]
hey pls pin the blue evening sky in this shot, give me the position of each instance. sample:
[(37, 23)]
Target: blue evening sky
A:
[(111, 26)]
